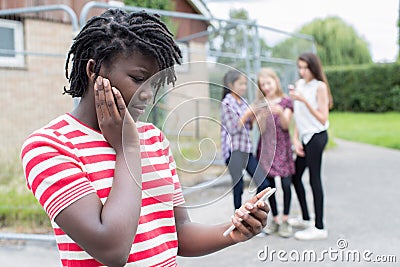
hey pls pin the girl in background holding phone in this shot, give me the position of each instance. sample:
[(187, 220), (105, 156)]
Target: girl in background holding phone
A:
[(236, 122), (277, 127), (312, 100)]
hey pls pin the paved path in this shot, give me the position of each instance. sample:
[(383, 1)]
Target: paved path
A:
[(362, 211)]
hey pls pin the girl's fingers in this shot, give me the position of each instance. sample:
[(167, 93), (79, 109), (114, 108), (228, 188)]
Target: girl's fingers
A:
[(242, 228), (97, 85), (101, 83), (108, 105), (120, 104), (258, 214), (250, 218)]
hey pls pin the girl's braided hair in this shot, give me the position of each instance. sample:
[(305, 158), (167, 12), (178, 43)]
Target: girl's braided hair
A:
[(115, 32)]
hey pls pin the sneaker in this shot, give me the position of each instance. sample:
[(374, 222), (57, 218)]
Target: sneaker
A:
[(271, 228), (285, 229), (311, 233), (298, 222)]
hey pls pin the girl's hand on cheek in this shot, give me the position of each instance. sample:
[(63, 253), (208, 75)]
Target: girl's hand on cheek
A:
[(112, 116)]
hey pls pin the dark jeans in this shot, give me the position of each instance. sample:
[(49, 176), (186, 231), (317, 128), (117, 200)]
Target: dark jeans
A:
[(286, 183), (237, 162), (313, 160)]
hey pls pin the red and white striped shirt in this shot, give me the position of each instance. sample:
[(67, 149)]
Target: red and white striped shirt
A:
[(66, 160)]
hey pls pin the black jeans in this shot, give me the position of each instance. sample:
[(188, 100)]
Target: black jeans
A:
[(286, 183), (237, 162), (313, 160)]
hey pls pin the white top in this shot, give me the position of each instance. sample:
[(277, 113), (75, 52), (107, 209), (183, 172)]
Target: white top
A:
[(307, 125)]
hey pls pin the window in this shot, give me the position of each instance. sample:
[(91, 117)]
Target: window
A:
[(11, 44)]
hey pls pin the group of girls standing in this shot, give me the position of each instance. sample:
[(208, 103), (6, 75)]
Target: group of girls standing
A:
[(279, 153)]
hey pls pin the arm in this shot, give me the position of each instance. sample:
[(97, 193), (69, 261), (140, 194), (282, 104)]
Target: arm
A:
[(285, 115), (248, 115), (107, 231), (322, 112), (298, 146), (261, 119), (209, 238), (233, 123), (285, 118)]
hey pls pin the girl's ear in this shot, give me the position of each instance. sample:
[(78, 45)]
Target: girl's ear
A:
[(90, 69)]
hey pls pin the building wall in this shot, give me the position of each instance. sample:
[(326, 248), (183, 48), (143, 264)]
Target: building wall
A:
[(187, 27), (76, 6), (189, 100), (33, 95)]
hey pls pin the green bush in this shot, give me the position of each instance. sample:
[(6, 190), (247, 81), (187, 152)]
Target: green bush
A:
[(19, 209), (365, 88), (22, 210)]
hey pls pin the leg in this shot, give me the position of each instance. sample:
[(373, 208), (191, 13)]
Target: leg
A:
[(287, 195), (300, 166), (236, 165), (272, 199), (314, 150), (257, 172)]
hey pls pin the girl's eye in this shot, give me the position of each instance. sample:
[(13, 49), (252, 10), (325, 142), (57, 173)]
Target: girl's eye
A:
[(138, 79)]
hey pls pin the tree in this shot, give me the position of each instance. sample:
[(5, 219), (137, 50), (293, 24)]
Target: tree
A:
[(157, 4), (398, 25), (230, 40), (337, 42), (154, 4)]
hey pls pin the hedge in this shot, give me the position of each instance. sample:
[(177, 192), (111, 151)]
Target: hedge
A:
[(365, 88)]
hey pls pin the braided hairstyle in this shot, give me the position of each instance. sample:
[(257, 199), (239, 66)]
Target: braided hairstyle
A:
[(115, 32)]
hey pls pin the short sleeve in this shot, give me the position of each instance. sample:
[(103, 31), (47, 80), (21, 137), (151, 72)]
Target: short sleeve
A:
[(53, 173), (287, 103)]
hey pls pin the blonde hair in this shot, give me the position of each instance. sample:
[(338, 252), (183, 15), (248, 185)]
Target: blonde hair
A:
[(265, 73)]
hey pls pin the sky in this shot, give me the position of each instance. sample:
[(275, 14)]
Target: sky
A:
[(375, 21)]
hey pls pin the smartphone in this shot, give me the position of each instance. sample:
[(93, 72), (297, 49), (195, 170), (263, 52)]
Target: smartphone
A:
[(263, 198)]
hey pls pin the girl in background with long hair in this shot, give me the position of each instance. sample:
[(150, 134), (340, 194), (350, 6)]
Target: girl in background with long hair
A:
[(236, 123), (275, 143), (312, 101)]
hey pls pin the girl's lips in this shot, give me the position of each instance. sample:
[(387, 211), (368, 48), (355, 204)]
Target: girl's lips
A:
[(139, 109)]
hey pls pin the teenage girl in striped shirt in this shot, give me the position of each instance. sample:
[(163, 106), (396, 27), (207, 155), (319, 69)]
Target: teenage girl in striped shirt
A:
[(107, 181)]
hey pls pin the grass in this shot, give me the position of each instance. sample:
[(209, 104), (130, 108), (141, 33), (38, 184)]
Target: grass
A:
[(19, 209), (381, 129)]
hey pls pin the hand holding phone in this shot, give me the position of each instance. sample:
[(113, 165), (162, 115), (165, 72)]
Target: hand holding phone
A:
[(263, 198)]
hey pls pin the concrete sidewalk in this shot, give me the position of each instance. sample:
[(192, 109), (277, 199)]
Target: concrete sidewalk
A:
[(361, 211)]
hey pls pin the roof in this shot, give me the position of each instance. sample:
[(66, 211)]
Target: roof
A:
[(200, 7)]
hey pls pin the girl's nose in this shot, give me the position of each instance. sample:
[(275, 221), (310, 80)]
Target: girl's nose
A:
[(146, 95)]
